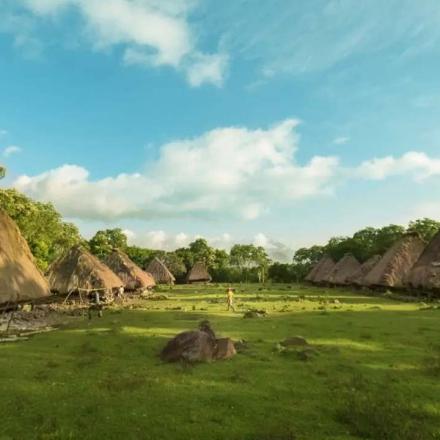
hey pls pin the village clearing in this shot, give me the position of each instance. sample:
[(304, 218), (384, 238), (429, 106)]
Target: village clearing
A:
[(370, 368)]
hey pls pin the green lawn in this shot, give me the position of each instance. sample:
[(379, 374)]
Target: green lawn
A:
[(374, 373)]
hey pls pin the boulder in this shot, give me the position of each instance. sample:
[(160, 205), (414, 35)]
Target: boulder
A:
[(225, 349), (190, 346), (198, 346)]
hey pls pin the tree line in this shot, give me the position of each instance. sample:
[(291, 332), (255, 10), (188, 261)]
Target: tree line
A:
[(49, 236)]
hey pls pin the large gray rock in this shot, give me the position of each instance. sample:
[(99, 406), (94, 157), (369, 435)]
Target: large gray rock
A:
[(198, 346)]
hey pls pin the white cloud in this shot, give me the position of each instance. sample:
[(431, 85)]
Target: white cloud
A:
[(11, 150), (234, 172), (227, 171), (341, 140), (207, 68), (417, 164), (276, 250), (159, 239), (316, 35), (152, 33)]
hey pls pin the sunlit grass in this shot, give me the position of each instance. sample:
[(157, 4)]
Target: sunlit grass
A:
[(104, 378)]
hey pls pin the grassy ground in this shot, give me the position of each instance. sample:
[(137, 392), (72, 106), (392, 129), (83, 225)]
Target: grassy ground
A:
[(374, 372)]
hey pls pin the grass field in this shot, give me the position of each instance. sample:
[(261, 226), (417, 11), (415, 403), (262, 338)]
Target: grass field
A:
[(374, 371)]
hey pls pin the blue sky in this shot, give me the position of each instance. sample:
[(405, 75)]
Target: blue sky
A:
[(276, 122)]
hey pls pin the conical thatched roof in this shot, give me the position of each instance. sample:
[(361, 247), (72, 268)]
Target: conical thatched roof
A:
[(397, 262), (344, 268), (79, 269), (133, 276), (322, 275), (160, 272), (198, 274), (20, 280), (311, 275), (358, 277), (426, 272)]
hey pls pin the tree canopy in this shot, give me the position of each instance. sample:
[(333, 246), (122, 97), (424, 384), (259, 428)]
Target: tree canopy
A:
[(41, 225)]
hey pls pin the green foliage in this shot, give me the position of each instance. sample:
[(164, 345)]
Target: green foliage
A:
[(141, 256), (2, 172), (41, 225), (426, 227), (102, 243), (247, 258)]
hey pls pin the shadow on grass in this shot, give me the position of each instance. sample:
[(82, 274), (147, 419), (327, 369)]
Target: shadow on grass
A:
[(104, 379)]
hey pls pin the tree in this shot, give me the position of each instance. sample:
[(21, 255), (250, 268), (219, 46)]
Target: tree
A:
[(201, 251), (103, 242), (2, 172), (41, 225), (426, 227), (247, 257)]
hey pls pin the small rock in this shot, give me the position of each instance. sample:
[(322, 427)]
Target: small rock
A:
[(295, 341)]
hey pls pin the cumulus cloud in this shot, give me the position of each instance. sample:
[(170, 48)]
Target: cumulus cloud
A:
[(152, 33), (417, 164), (227, 171), (11, 150), (159, 239), (276, 250)]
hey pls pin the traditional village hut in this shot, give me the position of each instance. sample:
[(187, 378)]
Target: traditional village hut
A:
[(425, 275), (357, 278), (311, 275), (133, 277), (198, 274), (79, 270), (322, 275), (396, 264), (20, 280), (344, 268), (160, 272)]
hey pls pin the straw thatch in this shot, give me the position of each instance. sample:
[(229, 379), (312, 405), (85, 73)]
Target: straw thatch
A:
[(198, 274), (344, 268), (357, 278), (133, 277), (397, 262), (311, 275), (80, 270), (160, 272), (426, 272), (322, 275), (20, 280)]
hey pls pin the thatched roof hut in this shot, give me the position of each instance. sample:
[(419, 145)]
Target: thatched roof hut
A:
[(160, 272), (311, 275), (344, 268), (133, 277), (79, 269), (322, 275), (357, 278), (198, 274), (20, 280), (426, 272), (397, 262)]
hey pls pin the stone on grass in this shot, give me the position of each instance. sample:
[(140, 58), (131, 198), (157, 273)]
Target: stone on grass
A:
[(198, 346), (295, 341), (225, 349)]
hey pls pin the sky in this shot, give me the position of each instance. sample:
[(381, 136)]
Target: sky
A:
[(275, 122)]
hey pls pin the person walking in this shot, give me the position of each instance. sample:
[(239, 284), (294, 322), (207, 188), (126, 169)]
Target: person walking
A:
[(230, 298)]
